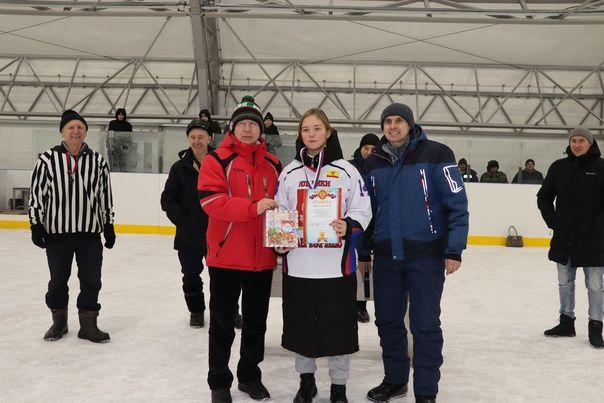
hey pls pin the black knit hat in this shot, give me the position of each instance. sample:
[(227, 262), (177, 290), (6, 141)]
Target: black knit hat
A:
[(247, 109), (398, 110), (462, 161), (492, 164), (370, 139), (70, 115), (199, 124), (268, 116)]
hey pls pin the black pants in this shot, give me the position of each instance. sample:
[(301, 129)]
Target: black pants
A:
[(191, 264), (225, 285), (89, 258)]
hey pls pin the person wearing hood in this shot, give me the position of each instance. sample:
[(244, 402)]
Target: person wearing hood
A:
[(420, 228), (120, 124), (366, 147), (180, 201), (571, 201), (319, 283), (70, 205), (204, 114), (237, 183), (271, 133)]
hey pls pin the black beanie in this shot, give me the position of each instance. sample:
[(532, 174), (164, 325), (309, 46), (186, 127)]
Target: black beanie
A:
[(370, 139), (398, 110), (247, 109), (462, 161), (268, 116), (70, 115), (492, 164), (198, 124)]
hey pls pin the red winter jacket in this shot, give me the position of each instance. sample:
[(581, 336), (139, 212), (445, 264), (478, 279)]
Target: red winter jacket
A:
[(231, 180)]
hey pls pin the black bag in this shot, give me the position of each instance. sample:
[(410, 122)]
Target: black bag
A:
[(514, 240)]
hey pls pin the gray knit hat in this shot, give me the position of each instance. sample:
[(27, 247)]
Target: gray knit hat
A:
[(582, 132), (398, 110)]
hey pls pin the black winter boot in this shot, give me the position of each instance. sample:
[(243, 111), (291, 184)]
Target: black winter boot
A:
[(425, 399), (566, 328), (197, 320), (337, 394), (595, 334), (59, 325), (308, 389), (386, 392), (362, 314), (89, 329)]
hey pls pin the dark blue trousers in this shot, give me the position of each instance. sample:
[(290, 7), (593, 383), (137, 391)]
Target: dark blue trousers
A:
[(417, 283)]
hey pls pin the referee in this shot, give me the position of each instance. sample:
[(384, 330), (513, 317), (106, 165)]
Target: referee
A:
[(70, 205)]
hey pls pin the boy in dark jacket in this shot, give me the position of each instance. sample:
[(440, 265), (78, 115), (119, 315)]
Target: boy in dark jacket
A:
[(181, 203), (571, 201)]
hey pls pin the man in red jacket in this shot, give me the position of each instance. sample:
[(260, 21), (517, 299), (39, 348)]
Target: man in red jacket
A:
[(237, 183)]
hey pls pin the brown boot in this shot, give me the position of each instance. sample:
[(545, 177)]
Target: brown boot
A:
[(59, 325), (89, 329)]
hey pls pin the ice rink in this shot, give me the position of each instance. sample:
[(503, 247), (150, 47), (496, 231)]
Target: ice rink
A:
[(494, 312)]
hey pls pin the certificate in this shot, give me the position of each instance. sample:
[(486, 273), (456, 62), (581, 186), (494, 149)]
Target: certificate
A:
[(317, 208)]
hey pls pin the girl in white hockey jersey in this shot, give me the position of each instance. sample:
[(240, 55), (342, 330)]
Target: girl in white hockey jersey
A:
[(319, 280)]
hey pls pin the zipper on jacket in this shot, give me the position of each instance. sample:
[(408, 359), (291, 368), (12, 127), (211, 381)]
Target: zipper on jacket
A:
[(424, 183), (249, 187)]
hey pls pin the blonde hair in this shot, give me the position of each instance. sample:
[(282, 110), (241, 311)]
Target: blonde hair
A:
[(320, 115)]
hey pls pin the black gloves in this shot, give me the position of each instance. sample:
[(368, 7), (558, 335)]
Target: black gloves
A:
[(109, 234), (39, 236)]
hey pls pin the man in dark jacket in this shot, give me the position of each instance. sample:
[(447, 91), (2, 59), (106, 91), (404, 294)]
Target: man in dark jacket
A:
[(180, 201), (366, 148), (467, 173), (493, 175), (420, 230), (571, 201), (529, 175)]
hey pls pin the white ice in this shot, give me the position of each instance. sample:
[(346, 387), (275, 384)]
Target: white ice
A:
[(494, 311)]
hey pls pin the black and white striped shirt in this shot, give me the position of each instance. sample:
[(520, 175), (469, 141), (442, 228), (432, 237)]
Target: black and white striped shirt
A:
[(71, 194)]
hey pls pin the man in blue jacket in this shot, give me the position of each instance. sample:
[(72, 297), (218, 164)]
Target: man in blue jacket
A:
[(419, 232)]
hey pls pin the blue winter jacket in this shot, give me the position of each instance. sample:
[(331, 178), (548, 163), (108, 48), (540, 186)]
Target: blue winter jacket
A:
[(419, 202)]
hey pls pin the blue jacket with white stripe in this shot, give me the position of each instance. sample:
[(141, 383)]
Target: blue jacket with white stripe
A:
[(419, 202)]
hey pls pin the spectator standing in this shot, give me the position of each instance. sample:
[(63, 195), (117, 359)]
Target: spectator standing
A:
[(366, 148), (70, 205), (529, 175), (180, 201), (120, 123), (237, 183), (204, 114), (419, 232), (571, 201), (467, 173), (493, 175)]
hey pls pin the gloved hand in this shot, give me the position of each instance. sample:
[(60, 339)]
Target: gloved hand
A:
[(39, 236), (109, 234)]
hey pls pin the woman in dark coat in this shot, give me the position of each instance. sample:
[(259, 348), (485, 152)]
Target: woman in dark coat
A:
[(181, 203)]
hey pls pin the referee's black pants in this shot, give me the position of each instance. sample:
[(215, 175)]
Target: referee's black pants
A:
[(88, 251)]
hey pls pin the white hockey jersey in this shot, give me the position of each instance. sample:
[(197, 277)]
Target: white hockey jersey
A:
[(313, 262)]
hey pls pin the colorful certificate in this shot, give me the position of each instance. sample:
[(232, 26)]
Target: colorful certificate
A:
[(317, 208), (280, 229)]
